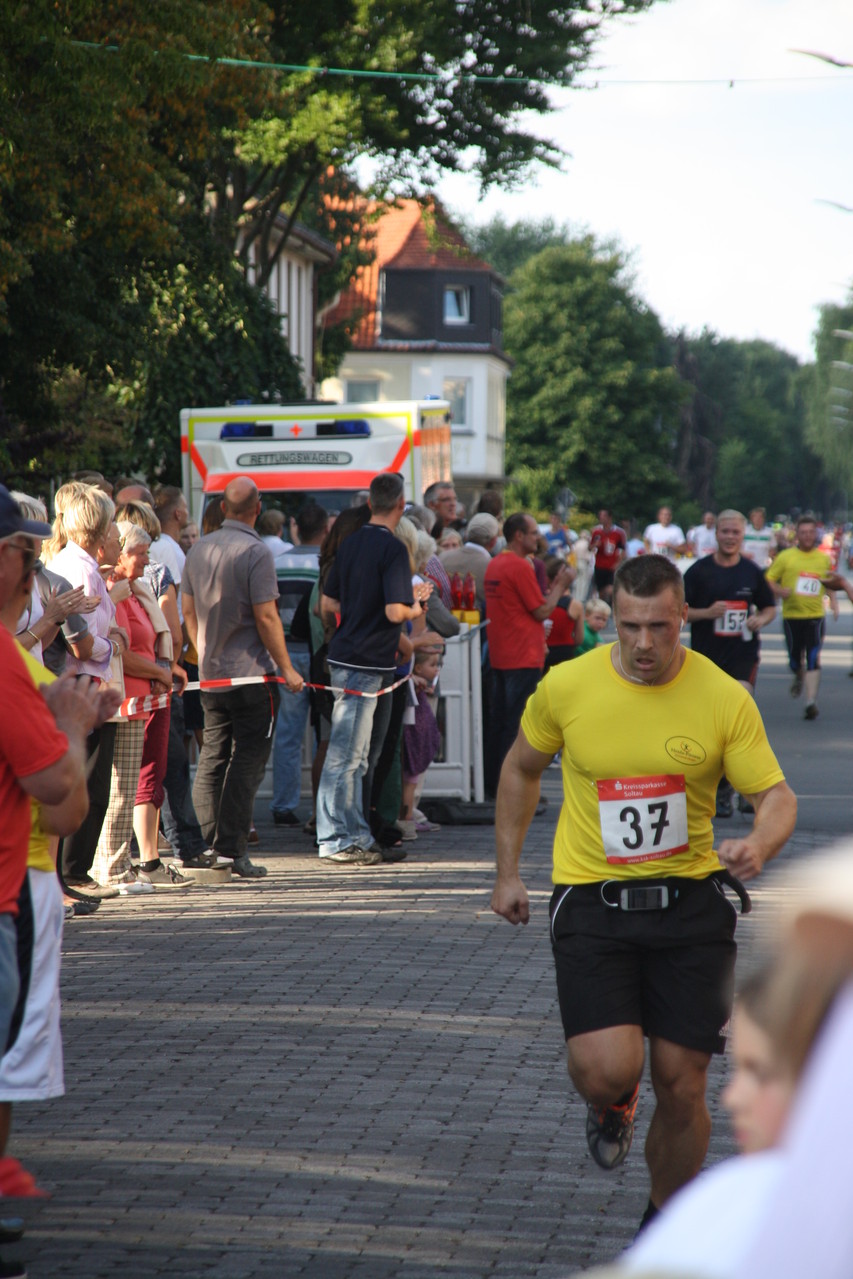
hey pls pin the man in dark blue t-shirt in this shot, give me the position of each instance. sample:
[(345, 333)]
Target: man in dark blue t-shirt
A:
[(370, 585)]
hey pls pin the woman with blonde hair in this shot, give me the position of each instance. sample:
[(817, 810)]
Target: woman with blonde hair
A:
[(81, 527), (52, 624), (64, 494)]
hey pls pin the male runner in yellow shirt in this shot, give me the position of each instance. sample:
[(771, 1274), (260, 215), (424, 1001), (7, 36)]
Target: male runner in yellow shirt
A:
[(642, 933), (796, 578)]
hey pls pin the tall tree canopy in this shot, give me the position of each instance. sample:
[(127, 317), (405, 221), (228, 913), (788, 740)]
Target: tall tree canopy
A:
[(133, 133), (743, 440), (830, 398), (593, 401)]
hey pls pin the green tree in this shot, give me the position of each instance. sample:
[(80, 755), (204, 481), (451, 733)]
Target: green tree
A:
[(130, 131), (742, 439), (829, 398), (593, 400), (421, 113), (508, 245)]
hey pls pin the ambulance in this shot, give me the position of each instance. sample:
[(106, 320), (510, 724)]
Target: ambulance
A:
[(322, 452)]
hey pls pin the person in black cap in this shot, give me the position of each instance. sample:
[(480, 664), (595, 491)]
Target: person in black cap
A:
[(42, 757)]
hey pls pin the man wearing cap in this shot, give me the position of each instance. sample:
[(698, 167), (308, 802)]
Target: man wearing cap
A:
[(42, 757), (474, 556)]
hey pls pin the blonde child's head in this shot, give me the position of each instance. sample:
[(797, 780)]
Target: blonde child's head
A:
[(596, 614)]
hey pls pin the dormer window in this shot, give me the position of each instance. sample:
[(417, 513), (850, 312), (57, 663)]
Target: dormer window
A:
[(457, 304)]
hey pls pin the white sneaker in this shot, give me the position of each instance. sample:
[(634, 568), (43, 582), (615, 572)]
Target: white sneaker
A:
[(134, 888)]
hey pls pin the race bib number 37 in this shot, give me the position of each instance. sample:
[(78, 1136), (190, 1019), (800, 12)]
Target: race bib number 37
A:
[(642, 818)]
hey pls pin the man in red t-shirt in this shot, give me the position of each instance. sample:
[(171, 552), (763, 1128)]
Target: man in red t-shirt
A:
[(608, 544), (516, 609)]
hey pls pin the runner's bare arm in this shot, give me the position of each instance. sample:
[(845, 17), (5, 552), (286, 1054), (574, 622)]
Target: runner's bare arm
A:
[(775, 818), (717, 609), (761, 619), (518, 795)]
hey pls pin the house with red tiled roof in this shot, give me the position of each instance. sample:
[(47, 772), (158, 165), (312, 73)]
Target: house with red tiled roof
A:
[(428, 322)]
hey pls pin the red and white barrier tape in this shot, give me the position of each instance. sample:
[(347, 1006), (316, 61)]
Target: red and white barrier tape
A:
[(211, 685), (143, 705), (157, 701)]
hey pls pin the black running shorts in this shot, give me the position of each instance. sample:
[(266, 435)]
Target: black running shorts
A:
[(669, 971)]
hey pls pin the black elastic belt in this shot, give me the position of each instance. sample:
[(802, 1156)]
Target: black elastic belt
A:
[(731, 881)]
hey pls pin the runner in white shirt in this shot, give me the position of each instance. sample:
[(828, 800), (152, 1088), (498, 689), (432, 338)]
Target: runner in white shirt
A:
[(759, 541), (665, 538), (702, 539)]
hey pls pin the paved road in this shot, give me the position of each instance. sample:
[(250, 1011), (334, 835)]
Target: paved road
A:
[(338, 1074)]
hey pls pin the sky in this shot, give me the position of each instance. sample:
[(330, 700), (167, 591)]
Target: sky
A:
[(717, 193)]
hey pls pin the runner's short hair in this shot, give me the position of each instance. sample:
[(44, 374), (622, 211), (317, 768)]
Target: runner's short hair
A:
[(806, 518), (648, 575)]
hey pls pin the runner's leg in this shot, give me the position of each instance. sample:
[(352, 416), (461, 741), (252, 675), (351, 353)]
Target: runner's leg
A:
[(680, 1129)]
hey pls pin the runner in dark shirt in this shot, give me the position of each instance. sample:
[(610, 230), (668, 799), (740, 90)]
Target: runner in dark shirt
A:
[(729, 601)]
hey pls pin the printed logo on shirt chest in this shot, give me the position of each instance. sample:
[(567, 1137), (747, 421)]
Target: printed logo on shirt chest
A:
[(685, 750)]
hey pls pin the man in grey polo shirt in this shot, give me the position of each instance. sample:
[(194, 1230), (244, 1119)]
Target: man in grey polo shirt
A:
[(230, 596)]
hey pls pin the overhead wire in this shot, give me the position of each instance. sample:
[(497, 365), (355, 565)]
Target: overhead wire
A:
[(294, 68)]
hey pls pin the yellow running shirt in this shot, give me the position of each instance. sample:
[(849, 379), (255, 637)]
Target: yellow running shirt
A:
[(641, 765), (801, 571)]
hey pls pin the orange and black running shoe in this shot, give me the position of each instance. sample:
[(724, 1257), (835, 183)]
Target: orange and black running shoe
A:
[(610, 1131)]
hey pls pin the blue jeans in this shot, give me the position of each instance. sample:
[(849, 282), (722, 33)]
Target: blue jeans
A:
[(238, 724), (180, 823), (287, 750), (341, 818)]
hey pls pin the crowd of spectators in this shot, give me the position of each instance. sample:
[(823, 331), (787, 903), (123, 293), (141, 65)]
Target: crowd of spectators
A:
[(125, 599), (113, 599), (116, 598)]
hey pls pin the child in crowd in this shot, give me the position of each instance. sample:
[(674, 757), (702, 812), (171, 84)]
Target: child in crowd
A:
[(421, 740), (564, 628), (761, 1089), (596, 614)]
